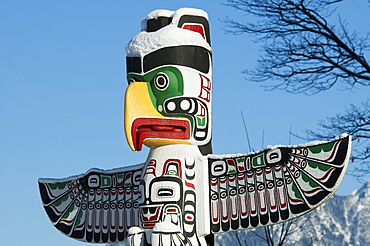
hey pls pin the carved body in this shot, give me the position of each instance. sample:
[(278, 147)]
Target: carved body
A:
[(172, 189)]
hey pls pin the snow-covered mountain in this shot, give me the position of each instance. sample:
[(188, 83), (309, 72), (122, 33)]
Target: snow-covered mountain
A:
[(342, 220)]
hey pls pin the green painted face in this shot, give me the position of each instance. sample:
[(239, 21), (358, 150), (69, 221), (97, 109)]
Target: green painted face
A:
[(163, 83)]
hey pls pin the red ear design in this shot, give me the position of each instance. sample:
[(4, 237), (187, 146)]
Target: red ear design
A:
[(195, 28)]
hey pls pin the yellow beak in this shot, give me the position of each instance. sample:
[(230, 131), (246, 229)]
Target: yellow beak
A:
[(137, 103), (144, 124)]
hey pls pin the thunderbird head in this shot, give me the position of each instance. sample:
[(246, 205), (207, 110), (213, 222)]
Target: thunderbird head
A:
[(168, 100)]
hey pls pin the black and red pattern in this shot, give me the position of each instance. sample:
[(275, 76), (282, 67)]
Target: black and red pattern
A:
[(99, 206), (274, 185)]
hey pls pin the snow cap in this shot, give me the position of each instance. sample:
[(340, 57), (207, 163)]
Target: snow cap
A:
[(165, 28)]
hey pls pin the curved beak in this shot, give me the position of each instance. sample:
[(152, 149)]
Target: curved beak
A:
[(143, 124)]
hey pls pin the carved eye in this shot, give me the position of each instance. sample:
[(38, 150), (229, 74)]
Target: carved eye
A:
[(161, 81)]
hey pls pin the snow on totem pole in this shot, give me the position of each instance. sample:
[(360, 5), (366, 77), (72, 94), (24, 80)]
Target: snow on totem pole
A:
[(183, 193)]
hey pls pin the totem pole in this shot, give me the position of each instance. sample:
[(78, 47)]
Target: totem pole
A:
[(183, 193)]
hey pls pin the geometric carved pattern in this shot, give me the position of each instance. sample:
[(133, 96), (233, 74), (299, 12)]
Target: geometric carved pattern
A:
[(273, 185), (98, 206)]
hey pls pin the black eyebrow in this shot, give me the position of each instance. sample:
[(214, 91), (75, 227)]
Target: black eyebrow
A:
[(187, 55), (133, 64)]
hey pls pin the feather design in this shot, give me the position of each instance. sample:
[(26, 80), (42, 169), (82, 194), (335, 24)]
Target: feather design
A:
[(274, 185), (99, 206)]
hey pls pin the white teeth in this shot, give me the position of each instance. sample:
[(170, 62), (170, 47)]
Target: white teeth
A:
[(171, 106), (200, 134), (185, 105)]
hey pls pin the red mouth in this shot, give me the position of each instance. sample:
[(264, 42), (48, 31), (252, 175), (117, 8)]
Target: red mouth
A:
[(150, 215), (158, 128)]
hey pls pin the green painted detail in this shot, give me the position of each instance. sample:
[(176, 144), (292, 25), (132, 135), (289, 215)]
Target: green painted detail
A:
[(79, 217), (61, 200), (128, 185), (320, 166), (173, 210), (172, 172), (119, 177), (296, 191), (324, 147), (201, 121), (59, 186), (310, 181), (258, 161), (191, 120), (231, 171), (174, 89), (240, 160), (69, 211), (106, 181)]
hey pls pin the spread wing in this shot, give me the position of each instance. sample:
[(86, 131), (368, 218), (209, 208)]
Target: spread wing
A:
[(275, 184), (98, 206)]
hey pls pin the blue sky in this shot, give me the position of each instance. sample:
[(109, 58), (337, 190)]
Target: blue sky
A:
[(62, 77)]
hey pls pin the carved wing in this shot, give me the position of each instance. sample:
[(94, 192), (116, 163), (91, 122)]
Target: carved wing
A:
[(98, 206), (275, 184)]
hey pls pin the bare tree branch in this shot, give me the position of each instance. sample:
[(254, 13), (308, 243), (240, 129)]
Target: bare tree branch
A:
[(301, 50), (354, 121)]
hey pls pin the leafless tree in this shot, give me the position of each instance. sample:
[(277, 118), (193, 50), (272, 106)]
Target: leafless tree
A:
[(301, 49), (276, 235), (302, 52), (356, 122)]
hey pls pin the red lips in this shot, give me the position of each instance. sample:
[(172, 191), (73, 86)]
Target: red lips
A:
[(158, 128)]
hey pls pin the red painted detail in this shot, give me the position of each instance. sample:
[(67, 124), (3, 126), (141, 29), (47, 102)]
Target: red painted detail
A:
[(293, 200), (241, 176), (128, 191), (241, 167), (168, 161), (191, 185), (150, 217), (195, 28), (215, 218), (151, 168), (313, 190), (206, 86), (325, 177), (232, 178), (163, 128), (231, 163), (171, 210), (189, 218), (148, 225), (202, 111), (80, 226), (158, 128), (336, 146), (268, 170), (128, 178)]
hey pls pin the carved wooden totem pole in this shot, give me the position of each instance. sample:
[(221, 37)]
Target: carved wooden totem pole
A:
[(183, 193)]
